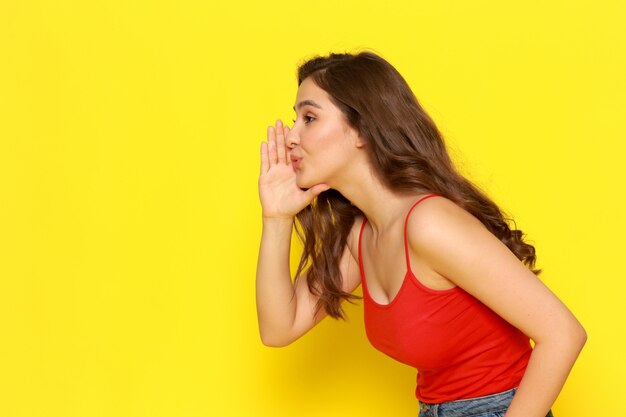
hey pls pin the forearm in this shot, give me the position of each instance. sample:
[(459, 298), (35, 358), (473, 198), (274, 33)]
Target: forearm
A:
[(548, 368), (275, 297)]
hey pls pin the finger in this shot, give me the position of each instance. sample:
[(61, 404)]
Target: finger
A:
[(288, 153), (280, 142), (271, 146), (316, 190), (265, 163)]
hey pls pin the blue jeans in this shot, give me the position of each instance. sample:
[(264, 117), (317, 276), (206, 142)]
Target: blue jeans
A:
[(494, 405)]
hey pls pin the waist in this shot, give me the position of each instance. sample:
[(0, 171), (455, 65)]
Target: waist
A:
[(498, 402)]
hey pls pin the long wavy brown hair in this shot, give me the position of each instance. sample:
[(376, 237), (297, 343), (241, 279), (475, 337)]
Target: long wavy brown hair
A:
[(408, 155)]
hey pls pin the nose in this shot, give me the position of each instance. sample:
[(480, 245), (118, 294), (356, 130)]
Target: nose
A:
[(292, 139)]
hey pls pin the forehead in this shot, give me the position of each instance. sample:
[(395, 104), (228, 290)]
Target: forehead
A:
[(308, 90)]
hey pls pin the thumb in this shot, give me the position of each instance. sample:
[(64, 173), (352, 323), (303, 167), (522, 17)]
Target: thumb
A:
[(316, 190)]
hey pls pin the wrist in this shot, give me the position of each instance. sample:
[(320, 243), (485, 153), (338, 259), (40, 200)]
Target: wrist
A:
[(278, 221)]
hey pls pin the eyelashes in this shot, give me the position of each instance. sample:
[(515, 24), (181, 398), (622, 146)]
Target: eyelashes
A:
[(307, 119)]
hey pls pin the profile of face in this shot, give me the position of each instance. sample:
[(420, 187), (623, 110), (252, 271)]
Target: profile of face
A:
[(323, 145)]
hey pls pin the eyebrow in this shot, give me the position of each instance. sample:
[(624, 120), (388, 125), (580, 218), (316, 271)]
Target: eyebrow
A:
[(308, 103)]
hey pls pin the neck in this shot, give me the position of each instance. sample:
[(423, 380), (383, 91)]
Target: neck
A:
[(383, 207)]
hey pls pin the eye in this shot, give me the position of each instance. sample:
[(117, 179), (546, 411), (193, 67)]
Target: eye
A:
[(307, 119)]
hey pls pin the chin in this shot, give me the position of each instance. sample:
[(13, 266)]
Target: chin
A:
[(303, 182)]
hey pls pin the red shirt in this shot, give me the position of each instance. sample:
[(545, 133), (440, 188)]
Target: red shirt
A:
[(460, 347)]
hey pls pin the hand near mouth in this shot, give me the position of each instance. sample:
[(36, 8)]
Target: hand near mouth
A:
[(280, 195)]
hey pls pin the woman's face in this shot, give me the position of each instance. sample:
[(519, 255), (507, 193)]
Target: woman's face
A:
[(321, 141)]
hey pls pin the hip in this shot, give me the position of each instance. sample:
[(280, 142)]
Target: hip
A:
[(494, 405)]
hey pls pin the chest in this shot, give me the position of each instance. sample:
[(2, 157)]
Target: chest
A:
[(385, 268), (429, 330)]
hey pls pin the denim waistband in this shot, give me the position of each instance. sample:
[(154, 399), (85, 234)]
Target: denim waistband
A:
[(470, 406)]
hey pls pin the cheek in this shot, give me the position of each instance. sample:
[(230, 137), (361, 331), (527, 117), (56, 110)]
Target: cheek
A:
[(324, 137), (322, 141)]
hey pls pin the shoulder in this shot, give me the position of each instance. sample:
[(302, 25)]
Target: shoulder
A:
[(438, 212), (439, 225)]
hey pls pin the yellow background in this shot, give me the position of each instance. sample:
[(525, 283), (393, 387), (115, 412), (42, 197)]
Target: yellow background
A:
[(129, 215)]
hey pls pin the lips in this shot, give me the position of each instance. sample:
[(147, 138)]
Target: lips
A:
[(295, 162)]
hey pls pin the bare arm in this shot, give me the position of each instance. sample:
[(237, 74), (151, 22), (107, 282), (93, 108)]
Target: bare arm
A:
[(457, 246), (285, 312)]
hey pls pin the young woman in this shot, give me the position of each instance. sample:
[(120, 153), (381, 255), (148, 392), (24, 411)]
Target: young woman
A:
[(448, 286)]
